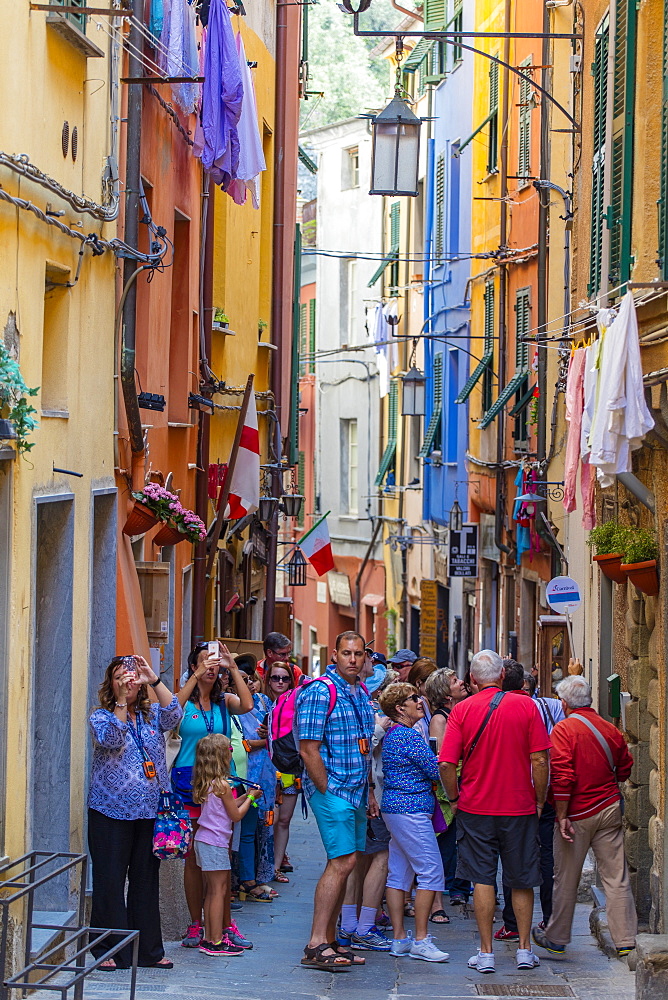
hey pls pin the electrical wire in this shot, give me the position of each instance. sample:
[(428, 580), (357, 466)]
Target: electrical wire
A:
[(20, 164), (28, 206)]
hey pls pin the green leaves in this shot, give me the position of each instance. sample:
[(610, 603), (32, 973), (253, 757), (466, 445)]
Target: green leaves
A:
[(14, 404)]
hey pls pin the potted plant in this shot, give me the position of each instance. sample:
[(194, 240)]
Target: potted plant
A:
[(641, 552), (183, 525), (608, 540), (261, 327), (152, 505), (220, 319), (16, 413)]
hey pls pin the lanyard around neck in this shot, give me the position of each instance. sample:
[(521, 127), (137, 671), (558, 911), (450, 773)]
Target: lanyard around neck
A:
[(208, 719)]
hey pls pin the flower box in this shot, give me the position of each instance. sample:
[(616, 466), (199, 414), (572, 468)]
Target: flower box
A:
[(643, 575), (610, 565)]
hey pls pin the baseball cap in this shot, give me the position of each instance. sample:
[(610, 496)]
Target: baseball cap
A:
[(403, 656), (379, 658)]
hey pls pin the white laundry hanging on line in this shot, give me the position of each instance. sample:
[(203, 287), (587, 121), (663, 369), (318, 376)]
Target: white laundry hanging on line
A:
[(622, 417), (381, 332), (251, 154)]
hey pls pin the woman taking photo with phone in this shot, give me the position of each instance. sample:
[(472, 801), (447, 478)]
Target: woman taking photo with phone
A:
[(129, 769), (206, 710)]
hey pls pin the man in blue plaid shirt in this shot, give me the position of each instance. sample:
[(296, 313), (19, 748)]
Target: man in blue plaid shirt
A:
[(335, 724)]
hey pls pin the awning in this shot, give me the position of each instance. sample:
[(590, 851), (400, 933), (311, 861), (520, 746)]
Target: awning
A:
[(306, 160), (472, 136), (497, 406), (523, 402), (475, 377), (373, 600), (391, 257), (420, 52)]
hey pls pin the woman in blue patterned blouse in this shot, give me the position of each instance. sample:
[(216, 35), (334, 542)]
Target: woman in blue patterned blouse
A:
[(410, 769), (129, 770)]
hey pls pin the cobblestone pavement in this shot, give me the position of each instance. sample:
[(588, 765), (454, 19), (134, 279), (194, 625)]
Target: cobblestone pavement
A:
[(279, 931)]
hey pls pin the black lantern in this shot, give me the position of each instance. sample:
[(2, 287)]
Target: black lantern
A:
[(297, 570), (412, 400), (395, 150), (291, 504), (267, 508), (456, 517)]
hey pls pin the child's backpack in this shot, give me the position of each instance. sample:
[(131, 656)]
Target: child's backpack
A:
[(283, 751)]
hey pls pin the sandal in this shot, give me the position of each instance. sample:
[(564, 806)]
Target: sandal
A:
[(254, 892), (164, 963), (409, 910), (348, 953), (315, 959), (443, 918), (280, 877), (108, 966)]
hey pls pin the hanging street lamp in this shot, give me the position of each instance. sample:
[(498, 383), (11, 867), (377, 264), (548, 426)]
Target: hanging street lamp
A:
[(413, 396), (291, 504), (395, 144), (297, 570), (267, 508), (456, 517)]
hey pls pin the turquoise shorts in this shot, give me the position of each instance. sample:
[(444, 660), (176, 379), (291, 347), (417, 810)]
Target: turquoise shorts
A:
[(342, 826)]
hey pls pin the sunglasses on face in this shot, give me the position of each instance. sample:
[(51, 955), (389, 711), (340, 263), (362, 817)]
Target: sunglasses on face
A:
[(280, 678), (413, 697)]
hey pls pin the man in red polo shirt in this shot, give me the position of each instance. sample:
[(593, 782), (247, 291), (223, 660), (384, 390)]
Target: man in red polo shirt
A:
[(589, 758), (503, 745)]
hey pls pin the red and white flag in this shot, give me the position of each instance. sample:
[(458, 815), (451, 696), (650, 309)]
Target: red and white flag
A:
[(317, 548), (244, 495)]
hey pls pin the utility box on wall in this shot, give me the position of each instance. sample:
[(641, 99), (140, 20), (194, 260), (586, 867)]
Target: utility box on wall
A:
[(154, 586)]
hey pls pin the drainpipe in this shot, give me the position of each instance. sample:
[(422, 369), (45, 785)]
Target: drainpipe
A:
[(358, 578), (204, 421), (499, 515), (132, 182), (277, 290), (543, 230)]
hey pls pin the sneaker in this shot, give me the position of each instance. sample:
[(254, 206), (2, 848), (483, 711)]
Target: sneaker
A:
[(623, 952), (373, 940), (503, 934), (401, 946), (382, 920), (218, 949), (234, 935), (526, 959), (236, 905), (427, 951), (540, 938), (193, 936), (344, 938), (482, 962)]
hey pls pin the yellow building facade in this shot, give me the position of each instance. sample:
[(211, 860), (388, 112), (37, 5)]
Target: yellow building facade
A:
[(57, 500)]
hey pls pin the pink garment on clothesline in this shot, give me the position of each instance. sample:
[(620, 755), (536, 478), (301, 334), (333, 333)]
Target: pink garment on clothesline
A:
[(574, 408)]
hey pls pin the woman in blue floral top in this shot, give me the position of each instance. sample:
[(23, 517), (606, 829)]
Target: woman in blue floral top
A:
[(410, 769), (129, 771)]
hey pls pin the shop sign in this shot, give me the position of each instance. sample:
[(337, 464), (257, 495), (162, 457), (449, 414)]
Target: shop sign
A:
[(428, 618), (463, 560), (563, 594)]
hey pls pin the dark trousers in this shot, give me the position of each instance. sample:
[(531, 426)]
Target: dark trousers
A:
[(545, 835), (247, 867), (120, 849), (447, 845)]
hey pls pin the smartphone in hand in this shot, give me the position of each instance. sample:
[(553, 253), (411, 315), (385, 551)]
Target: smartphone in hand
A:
[(433, 746), (213, 648)]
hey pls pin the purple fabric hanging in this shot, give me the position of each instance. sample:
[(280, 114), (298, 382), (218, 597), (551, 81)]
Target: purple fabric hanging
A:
[(216, 137)]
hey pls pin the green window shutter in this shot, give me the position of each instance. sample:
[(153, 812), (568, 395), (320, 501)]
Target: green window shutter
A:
[(522, 327), (311, 334), (600, 74), (434, 14), (435, 420), (413, 60), (494, 410), (301, 482), (493, 142), (78, 19), (303, 347), (621, 167), (440, 208), (395, 226), (383, 264), (474, 377), (458, 25), (524, 144), (663, 200), (488, 375), (436, 63), (387, 461)]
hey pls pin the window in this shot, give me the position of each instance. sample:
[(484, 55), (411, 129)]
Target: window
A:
[(522, 327), (395, 239), (78, 19), (524, 139), (350, 168), (347, 299), (621, 166), (432, 436), (436, 62), (457, 24), (352, 300), (493, 140), (453, 213), (434, 15), (311, 335), (488, 374), (439, 221), (55, 337), (349, 467), (600, 74), (387, 461), (303, 345), (452, 413)]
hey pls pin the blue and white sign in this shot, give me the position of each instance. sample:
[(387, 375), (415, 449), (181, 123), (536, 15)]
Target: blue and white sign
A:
[(563, 594)]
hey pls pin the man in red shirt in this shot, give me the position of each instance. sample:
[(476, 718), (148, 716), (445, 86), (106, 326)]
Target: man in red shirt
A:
[(589, 757), (277, 649), (503, 744)]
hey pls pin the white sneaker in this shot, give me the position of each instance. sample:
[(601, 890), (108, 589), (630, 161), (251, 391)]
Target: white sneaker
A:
[(482, 962), (402, 946), (526, 959), (427, 951)]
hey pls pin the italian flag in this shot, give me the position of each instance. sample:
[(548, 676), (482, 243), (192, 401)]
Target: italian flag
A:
[(317, 548)]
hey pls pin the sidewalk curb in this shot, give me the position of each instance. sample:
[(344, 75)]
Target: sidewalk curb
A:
[(598, 924)]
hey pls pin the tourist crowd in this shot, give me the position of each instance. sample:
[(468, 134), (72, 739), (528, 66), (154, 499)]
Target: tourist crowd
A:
[(424, 787)]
